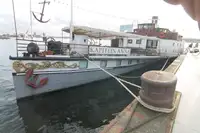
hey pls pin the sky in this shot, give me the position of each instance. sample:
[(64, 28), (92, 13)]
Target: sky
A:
[(105, 14)]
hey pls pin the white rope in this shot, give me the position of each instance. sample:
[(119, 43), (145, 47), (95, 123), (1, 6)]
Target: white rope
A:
[(165, 64), (136, 77), (130, 83), (119, 80), (164, 110), (129, 77)]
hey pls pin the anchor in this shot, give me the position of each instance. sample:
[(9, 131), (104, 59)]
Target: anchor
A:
[(42, 13)]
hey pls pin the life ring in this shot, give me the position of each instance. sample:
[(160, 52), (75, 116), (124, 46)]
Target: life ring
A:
[(31, 80), (162, 35)]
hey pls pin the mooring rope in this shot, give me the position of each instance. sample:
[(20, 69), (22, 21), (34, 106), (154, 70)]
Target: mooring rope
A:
[(165, 64), (139, 87), (129, 77), (164, 110), (119, 80), (136, 77)]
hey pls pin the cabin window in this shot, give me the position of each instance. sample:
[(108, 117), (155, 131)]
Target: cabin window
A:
[(130, 41), (129, 62), (138, 41), (173, 44), (118, 63), (152, 44), (85, 40), (145, 27), (149, 43), (140, 26), (103, 63), (73, 36), (155, 42), (83, 64)]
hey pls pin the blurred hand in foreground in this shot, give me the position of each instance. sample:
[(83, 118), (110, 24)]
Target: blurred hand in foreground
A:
[(192, 7)]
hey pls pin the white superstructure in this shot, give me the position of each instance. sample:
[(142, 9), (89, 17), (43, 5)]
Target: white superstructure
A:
[(68, 67)]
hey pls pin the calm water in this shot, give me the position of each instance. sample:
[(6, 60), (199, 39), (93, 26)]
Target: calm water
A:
[(80, 109)]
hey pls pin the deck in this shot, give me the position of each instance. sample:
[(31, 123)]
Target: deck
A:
[(188, 115), (185, 119)]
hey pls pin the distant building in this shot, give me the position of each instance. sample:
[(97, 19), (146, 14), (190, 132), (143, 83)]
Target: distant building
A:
[(126, 28), (38, 36)]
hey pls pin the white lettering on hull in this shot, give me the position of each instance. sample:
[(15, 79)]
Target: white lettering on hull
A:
[(109, 51)]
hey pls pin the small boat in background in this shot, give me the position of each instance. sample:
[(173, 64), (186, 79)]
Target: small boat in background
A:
[(4, 37)]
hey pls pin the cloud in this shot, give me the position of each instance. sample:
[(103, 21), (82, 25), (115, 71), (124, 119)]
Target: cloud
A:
[(100, 14)]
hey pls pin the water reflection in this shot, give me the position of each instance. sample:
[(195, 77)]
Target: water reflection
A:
[(82, 109)]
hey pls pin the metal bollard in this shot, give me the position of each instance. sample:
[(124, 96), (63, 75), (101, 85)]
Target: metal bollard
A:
[(158, 88)]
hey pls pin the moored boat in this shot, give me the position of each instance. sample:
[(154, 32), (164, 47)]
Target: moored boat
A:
[(53, 65), (50, 65)]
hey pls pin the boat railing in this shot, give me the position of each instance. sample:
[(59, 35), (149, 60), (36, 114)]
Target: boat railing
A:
[(64, 49), (23, 43), (73, 49)]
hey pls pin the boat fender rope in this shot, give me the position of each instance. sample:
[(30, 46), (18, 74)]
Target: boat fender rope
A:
[(31, 79)]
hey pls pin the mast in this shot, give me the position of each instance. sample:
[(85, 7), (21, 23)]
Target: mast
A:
[(31, 19), (13, 6), (71, 23)]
